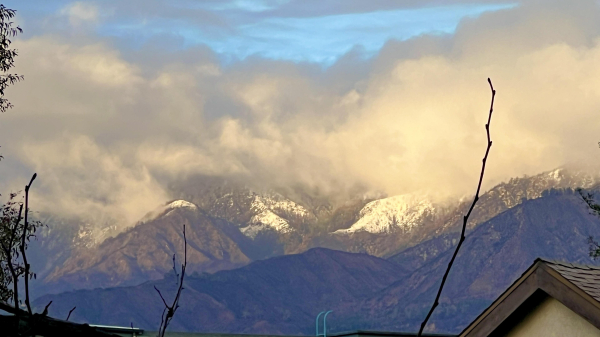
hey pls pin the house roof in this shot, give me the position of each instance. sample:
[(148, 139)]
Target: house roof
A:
[(586, 278), (575, 286)]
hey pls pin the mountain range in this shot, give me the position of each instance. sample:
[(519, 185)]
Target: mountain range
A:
[(239, 237), (230, 225), (282, 295)]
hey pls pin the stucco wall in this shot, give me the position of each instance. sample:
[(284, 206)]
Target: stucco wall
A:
[(553, 319)]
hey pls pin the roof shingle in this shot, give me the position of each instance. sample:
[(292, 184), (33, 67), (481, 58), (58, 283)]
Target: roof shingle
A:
[(586, 278)]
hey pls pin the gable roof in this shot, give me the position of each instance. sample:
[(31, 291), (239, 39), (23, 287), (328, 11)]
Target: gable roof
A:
[(586, 278), (575, 286)]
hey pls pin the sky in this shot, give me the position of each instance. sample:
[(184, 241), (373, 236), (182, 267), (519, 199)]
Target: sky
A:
[(121, 98)]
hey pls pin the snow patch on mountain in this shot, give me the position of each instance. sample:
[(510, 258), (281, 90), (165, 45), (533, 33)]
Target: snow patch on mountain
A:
[(181, 204), (287, 206), (556, 174), (385, 215), (89, 235), (266, 216), (516, 190), (168, 208)]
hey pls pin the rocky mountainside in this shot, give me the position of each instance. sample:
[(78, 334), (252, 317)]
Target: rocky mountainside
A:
[(387, 226), (280, 222), (145, 252), (255, 224), (497, 200), (284, 294), (494, 254), (514, 192)]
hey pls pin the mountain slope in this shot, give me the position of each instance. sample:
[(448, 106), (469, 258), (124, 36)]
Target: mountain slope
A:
[(555, 226), (284, 294), (387, 226), (274, 223), (279, 295), (398, 213), (145, 251), (249, 225), (500, 198)]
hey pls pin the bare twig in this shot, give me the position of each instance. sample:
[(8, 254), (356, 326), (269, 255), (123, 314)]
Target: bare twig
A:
[(45, 312), (169, 310), (466, 217), (161, 296), (162, 322), (70, 311), (23, 237)]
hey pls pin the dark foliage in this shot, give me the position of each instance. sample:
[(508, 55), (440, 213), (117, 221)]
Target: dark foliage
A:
[(7, 55), (11, 234)]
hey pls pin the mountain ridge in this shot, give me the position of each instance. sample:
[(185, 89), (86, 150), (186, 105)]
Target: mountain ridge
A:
[(258, 226), (282, 295)]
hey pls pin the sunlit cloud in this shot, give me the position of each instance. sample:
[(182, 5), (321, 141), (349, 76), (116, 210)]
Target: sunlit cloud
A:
[(107, 126), (81, 12)]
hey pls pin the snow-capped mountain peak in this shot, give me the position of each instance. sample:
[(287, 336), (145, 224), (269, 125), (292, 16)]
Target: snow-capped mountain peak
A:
[(165, 210), (265, 216), (181, 204), (385, 215)]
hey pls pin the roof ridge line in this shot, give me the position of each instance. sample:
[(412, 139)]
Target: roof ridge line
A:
[(570, 264)]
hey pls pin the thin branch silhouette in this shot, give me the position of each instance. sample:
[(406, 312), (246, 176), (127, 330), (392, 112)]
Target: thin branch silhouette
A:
[(23, 248), (466, 217), (169, 310), (45, 312), (69, 315)]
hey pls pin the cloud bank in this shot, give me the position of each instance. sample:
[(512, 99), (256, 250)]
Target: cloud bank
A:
[(106, 127)]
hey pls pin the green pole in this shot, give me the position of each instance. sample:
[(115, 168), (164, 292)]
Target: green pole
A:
[(325, 323), (317, 322)]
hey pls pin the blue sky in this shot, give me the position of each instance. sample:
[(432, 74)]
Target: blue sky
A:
[(317, 32)]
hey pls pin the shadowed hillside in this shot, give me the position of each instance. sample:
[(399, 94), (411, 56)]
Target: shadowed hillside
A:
[(145, 251), (279, 295), (494, 254)]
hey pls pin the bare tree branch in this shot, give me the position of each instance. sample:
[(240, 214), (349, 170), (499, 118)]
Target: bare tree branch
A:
[(169, 310), (70, 311), (161, 296), (45, 312), (23, 237), (162, 322), (466, 217)]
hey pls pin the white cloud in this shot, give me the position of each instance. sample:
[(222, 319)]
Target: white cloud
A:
[(79, 178), (101, 126), (80, 13)]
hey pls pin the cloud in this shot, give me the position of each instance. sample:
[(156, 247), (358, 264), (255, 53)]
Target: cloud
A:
[(80, 13), (106, 128), (84, 180)]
